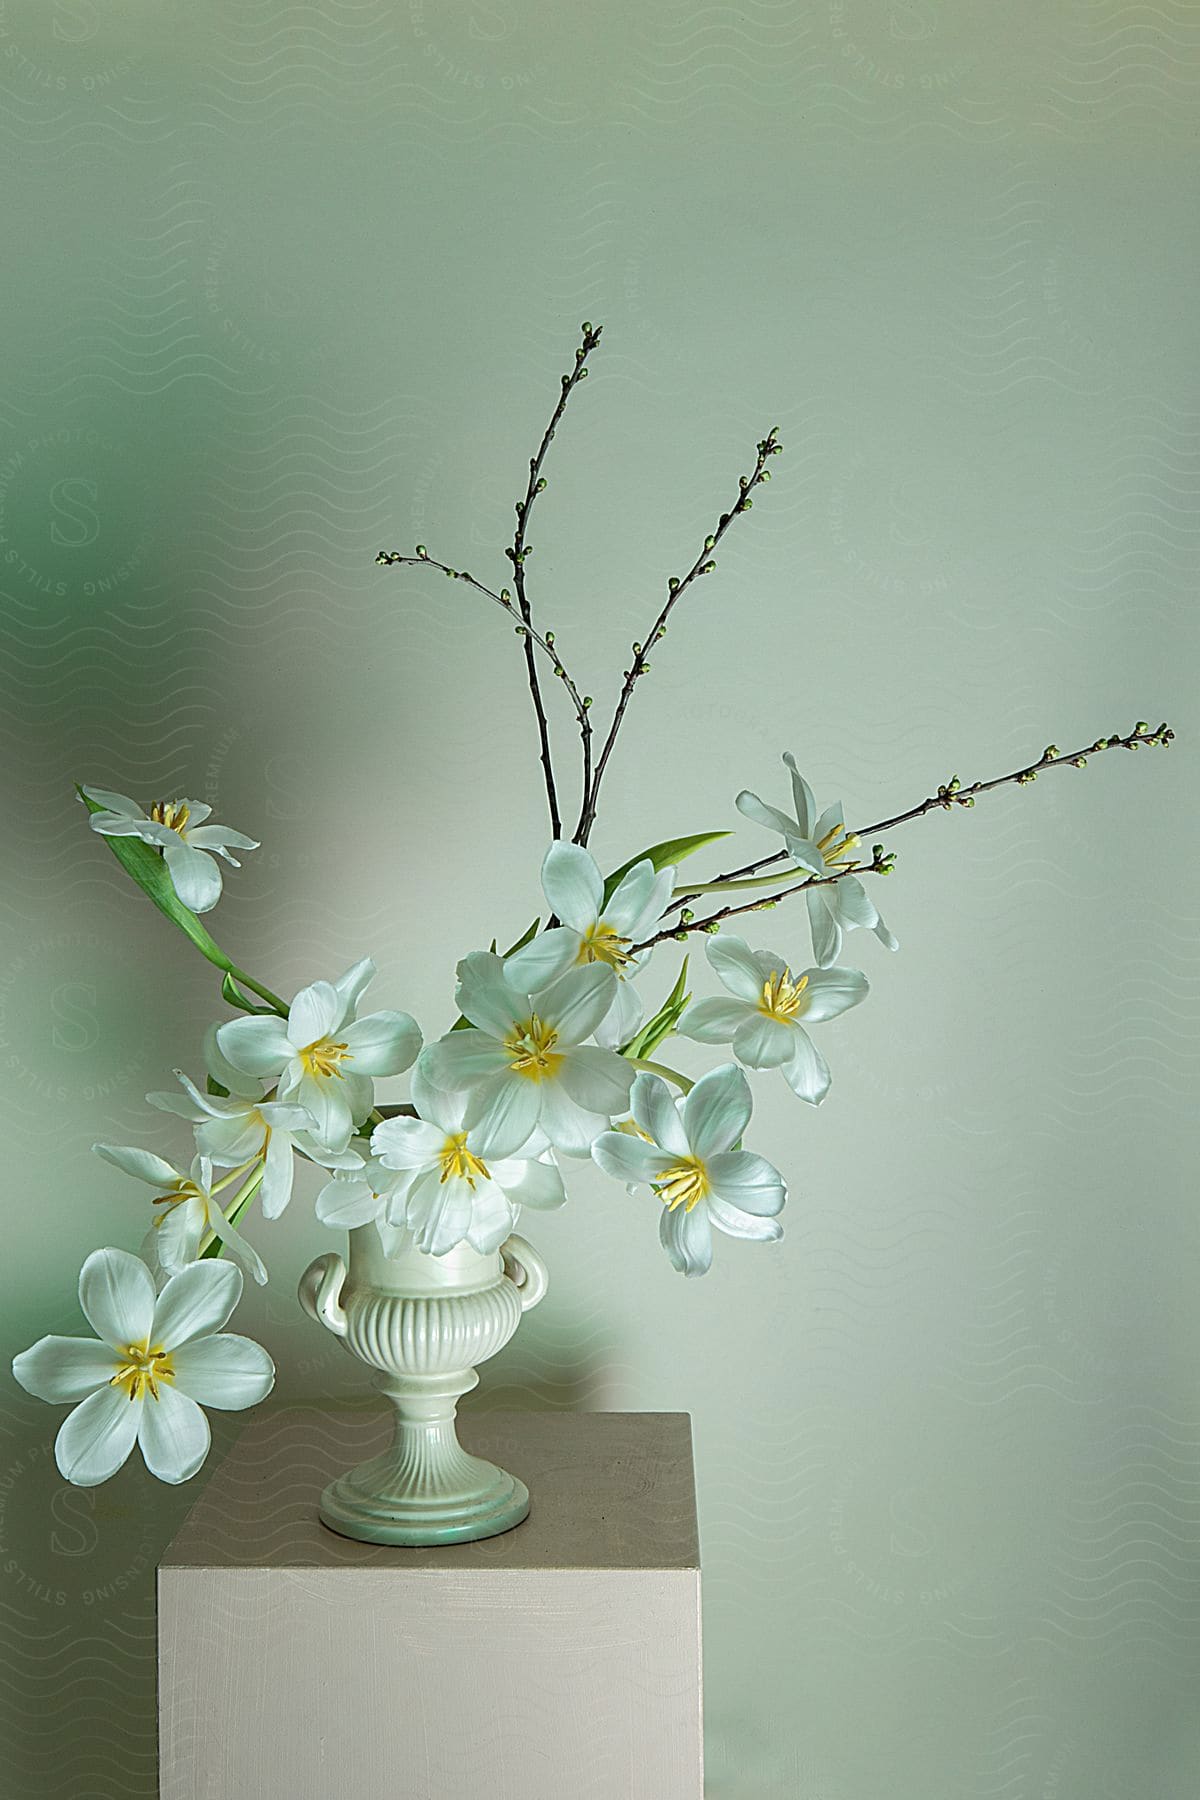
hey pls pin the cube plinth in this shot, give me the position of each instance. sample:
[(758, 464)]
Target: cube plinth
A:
[(561, 1659)]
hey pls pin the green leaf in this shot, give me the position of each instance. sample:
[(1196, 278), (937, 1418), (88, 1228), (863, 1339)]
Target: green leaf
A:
[(231, 992), (664, 1021), (147, 867), (671, 850)]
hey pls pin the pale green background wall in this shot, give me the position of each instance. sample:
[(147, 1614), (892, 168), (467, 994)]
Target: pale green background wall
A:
[(287, 283)]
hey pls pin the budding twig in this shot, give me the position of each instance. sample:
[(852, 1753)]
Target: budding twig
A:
[(952, 793), (703, 565), (505, 600), (518, 553)]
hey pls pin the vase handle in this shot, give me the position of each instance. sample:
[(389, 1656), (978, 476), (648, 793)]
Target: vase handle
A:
[(320, 1292), (525, 1269)]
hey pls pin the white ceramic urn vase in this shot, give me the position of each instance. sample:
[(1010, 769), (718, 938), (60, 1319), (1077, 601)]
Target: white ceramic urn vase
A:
[(423, 1323)]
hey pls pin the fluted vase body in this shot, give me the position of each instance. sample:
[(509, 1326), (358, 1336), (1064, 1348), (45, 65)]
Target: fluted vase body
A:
[(423, 1323)]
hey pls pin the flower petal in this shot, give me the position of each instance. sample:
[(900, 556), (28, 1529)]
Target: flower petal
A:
[(571, 1128), (141, 1163), (622, 1019), (347, 1202), (407, 1143), (806, 1071), (195, 877), (95, 1440), (114, 803), (802, 797), (629, 1158), (384, 1043), (64, 1368), (738, 1224), (717, 1111), (826, 932), (629, 898), (851, 903), (314, 1014), (542, 959), (226, 1371), (530, 1183), (258, 1046), (832, 991), (176, 1234), (714, 1021), (742, 970), (763, 1043), (218, 839), (751, 807), (462, 1059), (746, 1181), (196, 1302), (572, 884), (237, 1248), (505, 1111), (654, 1109), (352, 984), (329, 1098), (687, 1239), (887, 938), (116, 1292), (173, 1435), (598, 1080), (439, 1213), (279, 1173), (578, 1000), (492, 1219), (484, 994)]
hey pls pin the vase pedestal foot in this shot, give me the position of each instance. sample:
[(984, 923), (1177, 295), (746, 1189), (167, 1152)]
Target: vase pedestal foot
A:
[(366, 1504)]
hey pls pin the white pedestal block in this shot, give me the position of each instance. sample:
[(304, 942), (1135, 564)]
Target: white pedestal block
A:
[(560, 1661)]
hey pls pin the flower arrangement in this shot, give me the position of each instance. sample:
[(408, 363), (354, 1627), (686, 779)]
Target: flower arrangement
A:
[(552, 1058)]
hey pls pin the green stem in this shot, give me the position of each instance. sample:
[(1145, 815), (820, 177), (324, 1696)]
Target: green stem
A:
[(656, 1068), (256, 987)]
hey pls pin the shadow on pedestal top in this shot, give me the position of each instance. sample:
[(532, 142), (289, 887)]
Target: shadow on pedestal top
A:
[(610, 1490)]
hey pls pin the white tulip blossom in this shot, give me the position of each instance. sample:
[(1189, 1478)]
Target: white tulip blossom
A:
[(766, 1021), (240, 1128), (323, 1057), (158, 1360), (450, 1187), (822, 846), (525, 1058), (595, 931), (177, 828), (189, 1210), (683, 1151)]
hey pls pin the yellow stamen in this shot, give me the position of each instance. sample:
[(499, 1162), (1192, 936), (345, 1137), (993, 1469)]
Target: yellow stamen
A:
[(602, 942), (460, 1163), (783, 998), (530, 1049), (142, 1370), (834, 848), (684, 1185), (323, 1057), (174, 814), (183, 1190)]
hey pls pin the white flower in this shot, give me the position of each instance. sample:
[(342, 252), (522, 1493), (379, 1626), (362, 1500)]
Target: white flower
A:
[(360, 1196), (766, 1021), (682, 1152), (177, 828), (189, 1210), (822, 846), (156, 1359), (450, 1187), (322, 1056), (594, 932), (525, 1059), (242, 1127)]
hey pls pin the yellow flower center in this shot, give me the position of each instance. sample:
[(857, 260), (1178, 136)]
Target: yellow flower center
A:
[(174, 814), (142, 1369), (684, 1185), (602, 942), (530, 1049), (835, 849), (459, 1163), (182, 1191), (783, 998), (324, 1058)]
